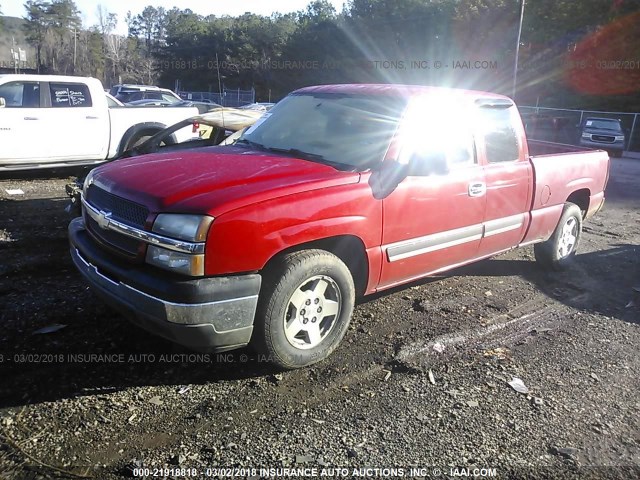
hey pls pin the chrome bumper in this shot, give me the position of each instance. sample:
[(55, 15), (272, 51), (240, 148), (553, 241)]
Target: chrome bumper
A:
[(216, 314)]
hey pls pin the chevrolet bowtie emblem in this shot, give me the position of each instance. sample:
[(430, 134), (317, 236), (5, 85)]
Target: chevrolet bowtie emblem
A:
[(103, 219)]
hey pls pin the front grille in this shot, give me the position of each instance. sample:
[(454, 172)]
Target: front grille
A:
[(603, 138), (121, 209), (122, 243)]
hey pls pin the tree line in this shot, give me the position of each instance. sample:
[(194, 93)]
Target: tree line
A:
[(464, 43)]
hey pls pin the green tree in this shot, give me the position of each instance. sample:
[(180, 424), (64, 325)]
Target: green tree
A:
[(36, 26), (63, 21), (150, 25), (111, 50)]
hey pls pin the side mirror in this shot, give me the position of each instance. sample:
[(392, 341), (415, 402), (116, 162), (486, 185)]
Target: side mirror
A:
[(3, 102)]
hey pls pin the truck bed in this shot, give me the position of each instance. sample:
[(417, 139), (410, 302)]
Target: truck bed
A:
[(539, 148), (564, 173)]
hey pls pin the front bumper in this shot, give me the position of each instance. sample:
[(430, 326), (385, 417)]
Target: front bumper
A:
[(205, 314), (617, 145)]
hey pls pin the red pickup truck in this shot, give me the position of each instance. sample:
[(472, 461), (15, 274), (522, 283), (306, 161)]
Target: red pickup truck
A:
[(338, 191)]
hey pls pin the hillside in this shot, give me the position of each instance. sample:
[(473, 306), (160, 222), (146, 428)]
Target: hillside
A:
[(10, 30)]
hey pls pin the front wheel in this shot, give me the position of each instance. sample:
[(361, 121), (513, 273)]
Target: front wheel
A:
[(559, 251), (305, 308)]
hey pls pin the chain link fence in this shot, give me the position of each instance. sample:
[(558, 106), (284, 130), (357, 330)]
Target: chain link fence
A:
[(229, 97), (565, 126)]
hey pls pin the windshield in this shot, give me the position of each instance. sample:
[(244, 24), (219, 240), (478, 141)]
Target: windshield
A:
[(603, 124), (352, 131)]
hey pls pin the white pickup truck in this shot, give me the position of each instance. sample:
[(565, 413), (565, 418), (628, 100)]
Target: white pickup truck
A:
[(51, 121)]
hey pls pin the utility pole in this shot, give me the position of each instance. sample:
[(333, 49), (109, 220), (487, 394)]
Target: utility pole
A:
[(75, 47), (515, 64), (15, 55)]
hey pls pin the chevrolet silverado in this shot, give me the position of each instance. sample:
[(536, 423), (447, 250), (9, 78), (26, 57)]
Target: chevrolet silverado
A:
[(338, 191)]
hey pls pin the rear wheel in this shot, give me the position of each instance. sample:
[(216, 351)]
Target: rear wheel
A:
[(304, 309), (559, 251)]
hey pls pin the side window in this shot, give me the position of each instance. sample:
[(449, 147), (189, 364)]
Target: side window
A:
[(436, 134), (169, 98), (21, 94), (500, 138), (69, 95)]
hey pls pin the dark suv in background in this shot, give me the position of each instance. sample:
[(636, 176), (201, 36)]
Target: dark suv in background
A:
[(131, 93), (603, 133)]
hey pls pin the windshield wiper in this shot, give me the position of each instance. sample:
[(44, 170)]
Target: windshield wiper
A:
[(314, 157), (298, 153), (257, 145)]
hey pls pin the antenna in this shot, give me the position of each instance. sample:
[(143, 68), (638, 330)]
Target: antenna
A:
[(220, 89)]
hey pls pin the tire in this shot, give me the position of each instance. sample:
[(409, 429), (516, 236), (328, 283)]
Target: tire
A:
[(136, 141), (559, 251), (286, 331)]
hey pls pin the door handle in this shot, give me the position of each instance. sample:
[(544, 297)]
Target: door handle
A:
[(31, 118), (477, 189), (91, 117)]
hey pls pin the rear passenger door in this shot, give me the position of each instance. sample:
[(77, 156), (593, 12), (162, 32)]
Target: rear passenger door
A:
[(508, 174), (77, 124)]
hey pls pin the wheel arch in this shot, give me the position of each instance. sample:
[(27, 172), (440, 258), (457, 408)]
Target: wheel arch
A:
[(146, 128), (581, 198), (348, 248)]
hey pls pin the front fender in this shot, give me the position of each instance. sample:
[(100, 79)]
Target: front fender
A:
[(245, 239)]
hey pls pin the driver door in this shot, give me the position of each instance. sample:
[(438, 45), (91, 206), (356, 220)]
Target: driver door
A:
[(433, 221)]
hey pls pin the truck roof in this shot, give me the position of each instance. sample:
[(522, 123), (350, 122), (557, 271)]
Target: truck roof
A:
[(46, 78), (395, 89), (603, 119)]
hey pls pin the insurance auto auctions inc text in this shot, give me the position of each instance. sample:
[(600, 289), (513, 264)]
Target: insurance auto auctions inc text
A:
[(360, 472)]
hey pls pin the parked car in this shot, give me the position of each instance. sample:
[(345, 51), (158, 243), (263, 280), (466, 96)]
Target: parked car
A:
[(339, 191), (128, 93), (260, 106), (149, 102), (220, 126), (604, 133), (76, 122), (112, 101)]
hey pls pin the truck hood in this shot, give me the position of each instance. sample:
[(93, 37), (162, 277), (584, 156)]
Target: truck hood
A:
[(213, 180)]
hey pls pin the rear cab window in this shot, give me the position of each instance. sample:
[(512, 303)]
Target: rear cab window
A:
[(501, 139), (70, 95)]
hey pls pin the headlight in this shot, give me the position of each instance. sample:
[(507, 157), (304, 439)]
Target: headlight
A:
[(619, 138), (586, 135), (190, 228), (87, 181), (177, 262)]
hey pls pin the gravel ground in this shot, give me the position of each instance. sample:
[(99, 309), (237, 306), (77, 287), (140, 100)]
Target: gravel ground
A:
[(422, 379)]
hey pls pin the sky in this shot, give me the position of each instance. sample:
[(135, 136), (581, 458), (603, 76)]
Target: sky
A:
[(15, 8)]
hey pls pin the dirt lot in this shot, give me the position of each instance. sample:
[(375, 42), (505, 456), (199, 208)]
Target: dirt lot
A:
[(421, 379)]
